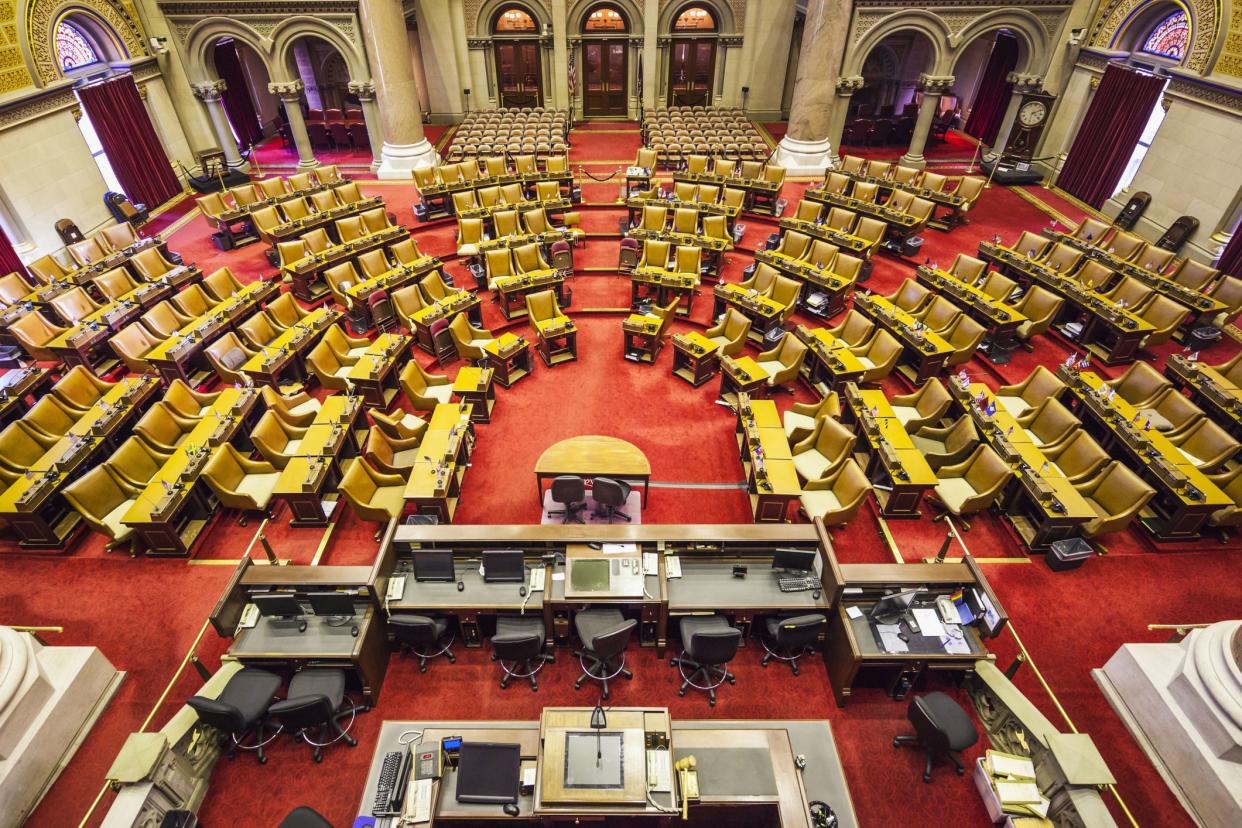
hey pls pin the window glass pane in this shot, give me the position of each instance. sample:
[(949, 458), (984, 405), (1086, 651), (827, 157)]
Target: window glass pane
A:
[(604, 19), (101, 159), (514, 20), (1140, 150), (1170, 37), (73, 50), (695, 19)]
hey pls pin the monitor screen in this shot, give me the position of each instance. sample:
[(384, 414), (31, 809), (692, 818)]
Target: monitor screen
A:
[(339, 604), (800, 560), (890, 608), (988, 617), (594, 759), (434, 565), (503, 565), (279, 605), (488, 772), (589, 575)]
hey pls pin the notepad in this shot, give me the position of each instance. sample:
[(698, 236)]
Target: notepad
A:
[(1017, 793), (929, 622), (1011, 765)]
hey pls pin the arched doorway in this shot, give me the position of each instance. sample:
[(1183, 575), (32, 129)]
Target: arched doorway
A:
[(883, 112), (333, 114), (519, 75), (605, 62), (692, 58), (247, 103)]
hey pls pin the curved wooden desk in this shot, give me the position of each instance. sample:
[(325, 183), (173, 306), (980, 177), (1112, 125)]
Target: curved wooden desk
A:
[(591, 456)]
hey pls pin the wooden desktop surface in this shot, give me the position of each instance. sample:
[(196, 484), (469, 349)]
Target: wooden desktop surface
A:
[(593, 455)]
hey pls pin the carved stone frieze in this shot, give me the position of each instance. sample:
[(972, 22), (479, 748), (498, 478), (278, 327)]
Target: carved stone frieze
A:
[(850, 84), (935, 84)]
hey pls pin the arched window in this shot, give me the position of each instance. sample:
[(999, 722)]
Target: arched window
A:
[(1170, 37), (605, 19), (73, 49), (695, 19), (514, 19)]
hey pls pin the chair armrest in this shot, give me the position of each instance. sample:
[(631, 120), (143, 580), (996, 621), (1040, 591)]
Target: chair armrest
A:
[(256, 466), (382, 479)]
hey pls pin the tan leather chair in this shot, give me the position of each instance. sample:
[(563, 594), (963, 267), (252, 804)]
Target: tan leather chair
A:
[(1139, 385), (730, 332), (910, 296), (50, 417), (391, 456), (836, 497), (151, 264), (469, 234), (1229, 292), (800, 418), (1078, 458), (408, 301), (820, 452), (1048, 424), (854, 330), (102, 499), (762, 280), (969, 487), (284, 312), (33, 332), (435, 289), (294, 409), (785, 292), (226, 356), (271, 187), (783, 362), (348, 349), (656, 254), (1194, 274), (13, 289), (115, 283), (193, 302), (87, 251), (940, 315), (542, 307), (163, 320), (498, 264), (878, 355), (20, 446), (221, 285), (187, 402), (1165, 316), (339, 279), (79, 389), (1206, 445), (1040, 307), (328, 368), (373, 263), (258, 332), (136, 463), (964, 335), (132, 343), (398, 424), (74, 305), (276, 440), (373, 495), (1039, 385), (425, 391), (1171, 413), (1116, 494), (45, 268), (996, 285), (469, 340), (119, 236), (163, 428), (240, 483), (1129, 293), (947, 445), (1229, 482), (926, 406)]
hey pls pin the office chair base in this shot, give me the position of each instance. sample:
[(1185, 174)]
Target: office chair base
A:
[(525, 669), (260, 743), (913, 741), (342, 733), (712, 676), (424, 657), (572, 513), (611, 512), (789, 658), (589, 671)]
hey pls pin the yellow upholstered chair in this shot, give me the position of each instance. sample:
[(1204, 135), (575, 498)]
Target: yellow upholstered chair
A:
[(240, 483), (1039, 385), (389, 455), (939, 315), (258, 331), (408, 301), (73, 305), (277, 440), (187, 402), (294, 409), (836, 497), (974, 484), (284, 312), (20, 446), (373, 495), (132, 343), (528, 258), (1229, 482), (1040, 308), (964, 335), (996, 285), (785, 292), (226, 356), (348, 349), (854, 330), (762, 280), (119, 236), (946, 445), (1048, 424), (87, 251), (469, 340), (1140, 385), (163, 428), (50, 417), (498, 264), (340, 278), (800, 418), (1165, 316), (655, 254), (1206, 445), (151, 264), (730, 332), (328, 368), (193, 302), (821, 451), (102, 499), (1116, 495), (33, 332), (397, 424), (163, 320), (878, 355), (13, 289), (79, 389), (1078, 458), (469, 234), (271, 187), (910, 296), (221, 284), (926, 406), (425, 391), (783, 361), (435, 288), (136, 463), (115, 283)]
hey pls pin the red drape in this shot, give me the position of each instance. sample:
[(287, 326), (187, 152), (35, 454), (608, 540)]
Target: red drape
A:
[(9, 262), (1109, 133), (129, 141), (1231, 260), (992, 97), (237, 102)]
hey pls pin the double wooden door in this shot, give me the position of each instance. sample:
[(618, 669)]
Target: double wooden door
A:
[(519, 75), (692, 71), (605, 78)]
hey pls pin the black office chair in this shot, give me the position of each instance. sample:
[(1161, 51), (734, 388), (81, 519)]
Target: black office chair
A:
[(707, 645), (304, 816), (519, 642), (317, 701), (241, 707), (420, 635), (610, 495), (604, 633), (940, 725), (788, 639), (570, 492)]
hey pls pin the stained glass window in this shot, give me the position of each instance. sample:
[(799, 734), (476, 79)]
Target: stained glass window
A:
[(1170, 37), (72, 47)]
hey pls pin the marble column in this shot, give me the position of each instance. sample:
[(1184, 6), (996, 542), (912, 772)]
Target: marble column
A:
[(365, 92), (562, 98), (1022, 84), (209, 93), (932, 87), (290, 94), (388, 48), (805, 150), (651, 52), (846, 87)]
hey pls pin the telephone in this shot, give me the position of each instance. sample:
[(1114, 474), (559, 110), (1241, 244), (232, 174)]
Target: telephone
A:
[(536, 580), (417, 806), (249, 617), (396, 588), (659, 771), (948, 612)]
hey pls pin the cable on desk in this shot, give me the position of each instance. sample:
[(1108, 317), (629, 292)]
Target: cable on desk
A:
[(416, 737)]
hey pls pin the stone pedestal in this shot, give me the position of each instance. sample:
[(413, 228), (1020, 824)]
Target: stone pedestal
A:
[(805, 149), (1183, 703), (405, 147), (49, 699)]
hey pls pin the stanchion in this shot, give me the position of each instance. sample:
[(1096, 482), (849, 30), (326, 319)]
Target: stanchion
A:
[(944, 548), (271, 553)]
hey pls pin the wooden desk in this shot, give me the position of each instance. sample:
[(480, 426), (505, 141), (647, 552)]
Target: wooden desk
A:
[(590, 456), (899, 224), (954, 203), (892, 453), (764, 313), (287, 350), (640, 337), (761, 194), (854, 245), (434, 486), (816, 277), (1001, 319), (829, 360), (558, 340), (308, 481), (307, 273), (374, 374), (771, 479), (473, 386), (461, 301), (19, 389), (741, 375), (510, 358), (1209, 390), (696, 359), (661, 286), (925, 350), (512, 290), (180, 356), (635, 206), (388, 281)]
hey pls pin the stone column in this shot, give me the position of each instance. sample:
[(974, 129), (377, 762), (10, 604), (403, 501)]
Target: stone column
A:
[(209, 93), (932, 87), (365, 92), (651, 52), (290, 94), (804, 150), (1022, 84), (388, 49), (846, 87), (561, 96)]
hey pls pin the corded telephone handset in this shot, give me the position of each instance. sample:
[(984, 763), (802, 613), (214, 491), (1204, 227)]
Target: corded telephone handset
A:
[(396, 588), (417, 806), (948, 612)]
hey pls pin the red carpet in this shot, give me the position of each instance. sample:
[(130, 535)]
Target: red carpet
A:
[(145, 614)]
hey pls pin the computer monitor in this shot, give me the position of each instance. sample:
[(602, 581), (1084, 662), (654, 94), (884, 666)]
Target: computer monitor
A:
[(798, 560), (434, 565), (332, 604), (278, 605), (503, 566), (489, 772), (987, 618), (890, 608)]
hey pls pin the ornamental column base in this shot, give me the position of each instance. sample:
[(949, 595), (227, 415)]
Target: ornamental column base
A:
[(398, 160), (803, 158)]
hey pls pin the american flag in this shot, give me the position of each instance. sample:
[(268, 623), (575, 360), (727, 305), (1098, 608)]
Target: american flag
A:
[(573, 72)]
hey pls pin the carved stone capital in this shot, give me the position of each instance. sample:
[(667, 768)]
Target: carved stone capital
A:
[(364, 90), (479, 43), (935, 84), (1023, 82), (210, 91), (287, 90), (730, 41), (850, 84)]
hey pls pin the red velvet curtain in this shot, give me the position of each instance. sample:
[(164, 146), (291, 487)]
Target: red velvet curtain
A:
[(9, 262), (992, 96), (129, 141), (1109, 133), (237, 102), (1231, 260)]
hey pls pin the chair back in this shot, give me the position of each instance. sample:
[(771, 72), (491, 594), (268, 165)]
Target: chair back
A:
[(304, 711), (801, 630), (413, 630), (609, 492), (931, 732), (380, 305), (614, 641), (714, 646), (568, 489), (222, 716), (517, 646)]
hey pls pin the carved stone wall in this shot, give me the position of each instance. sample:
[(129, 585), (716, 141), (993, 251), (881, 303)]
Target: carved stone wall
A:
[(1205, 24), (42, 16), (1230, 60), (13, 72)]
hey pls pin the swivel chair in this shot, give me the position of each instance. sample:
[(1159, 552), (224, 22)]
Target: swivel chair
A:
[(788, 639), (518, 646), (79, 389), (941, 726), (304, 816), (801, 418), (730, 333), (610, 495), (390, 455), (570, 492), (604, 633), (708, 644), (421, 635), (317, 702), (240, 709)]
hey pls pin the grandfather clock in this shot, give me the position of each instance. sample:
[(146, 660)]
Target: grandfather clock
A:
[(1028, 125)]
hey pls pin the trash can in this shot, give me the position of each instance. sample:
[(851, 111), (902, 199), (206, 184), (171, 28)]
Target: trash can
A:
[(1067, 554)]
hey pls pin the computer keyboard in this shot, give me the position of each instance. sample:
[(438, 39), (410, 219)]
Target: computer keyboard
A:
[(797, 583), (389, 780)]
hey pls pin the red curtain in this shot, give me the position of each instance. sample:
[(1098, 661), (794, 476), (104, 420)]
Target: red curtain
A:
[(1231, 260), (992, 96), (9, 262), (129, 141), (237, 102), (1109, 133)]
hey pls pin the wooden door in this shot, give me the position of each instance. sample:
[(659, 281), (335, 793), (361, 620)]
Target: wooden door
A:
[(692, 72), (605, 89), (518, 73)]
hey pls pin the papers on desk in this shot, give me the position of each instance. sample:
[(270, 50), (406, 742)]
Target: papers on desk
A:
[(853, 612), (956, 645), (889, 640), (1009, 765), (672, 566), (929, 622), (651, 563), (619, 548)]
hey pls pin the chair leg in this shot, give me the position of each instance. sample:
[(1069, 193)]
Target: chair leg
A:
[(927, 769)]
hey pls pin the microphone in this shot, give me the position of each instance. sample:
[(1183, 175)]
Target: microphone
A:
[(599, 721)]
